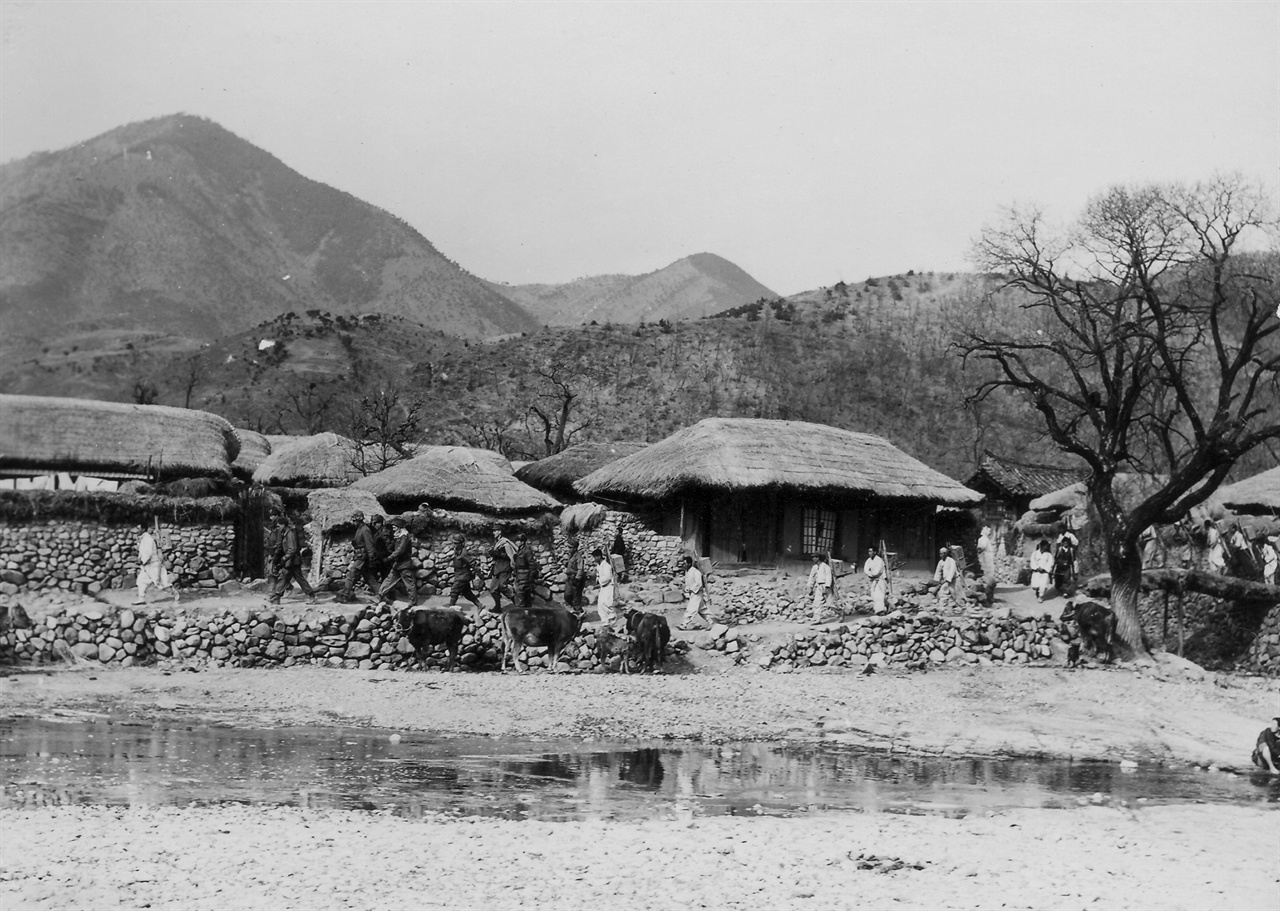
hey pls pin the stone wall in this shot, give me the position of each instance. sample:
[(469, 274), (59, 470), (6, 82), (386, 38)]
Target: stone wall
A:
[(1264, 651), (89, 557), (1217, 634)]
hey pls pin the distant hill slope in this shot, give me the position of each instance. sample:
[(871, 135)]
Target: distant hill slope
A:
[(177, 226), (689, 288)]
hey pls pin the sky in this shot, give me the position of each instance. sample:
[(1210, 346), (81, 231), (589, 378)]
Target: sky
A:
[(806, 142)]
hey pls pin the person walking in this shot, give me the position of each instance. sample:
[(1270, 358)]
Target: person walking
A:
[(607, 594), (287, 563), (151, 568), (1270, 559), (820, 586), (945, 574), (464, 573), (383, 542), (363, 554), (1041, 570), (525, 571), (987, 563), (500, 572), (695, 584), (1215, 548), (875, 571), (403, 572), (575, 574)]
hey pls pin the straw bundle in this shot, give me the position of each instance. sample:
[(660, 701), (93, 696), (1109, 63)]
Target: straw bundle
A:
[(40, 435), (738, 454), (1259, 494), (556, 474), (332, 508), (456, 477), (581, 517), (323, 460)]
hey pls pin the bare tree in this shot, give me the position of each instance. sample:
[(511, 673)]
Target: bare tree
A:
[(145, 393), (1148, 344), (552, 412), (312, 405), (385, 424), (191, 377)]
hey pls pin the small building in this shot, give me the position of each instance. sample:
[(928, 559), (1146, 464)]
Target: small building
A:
[(556, 474), (1009, 485), (750, 491)]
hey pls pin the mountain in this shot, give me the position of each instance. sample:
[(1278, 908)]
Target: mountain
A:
[(689, 288), (177, 226)]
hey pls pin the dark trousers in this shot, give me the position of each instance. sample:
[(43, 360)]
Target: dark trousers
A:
[(280, 579), (573, 590), (401, 576), (524, 596), (462, 589), (359, 569)]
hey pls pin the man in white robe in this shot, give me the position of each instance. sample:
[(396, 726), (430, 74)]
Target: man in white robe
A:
[(874, 569), (151, 571), (820, 586), (694, 588), (607, 595)]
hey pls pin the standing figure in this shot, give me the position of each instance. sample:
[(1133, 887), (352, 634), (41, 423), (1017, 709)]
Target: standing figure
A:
[(363, 553), (604, 578), (403, 573), (1064, 567), (820, 586), (500, 573), (694, 587), (383, 541), (151, 570), (1270, 559), (575, 574), (464, 572), (287, 563), (987, 563), (618, 557), (1216, 551), (945, 574), (524, 571), (1041, 570), (874, 569)]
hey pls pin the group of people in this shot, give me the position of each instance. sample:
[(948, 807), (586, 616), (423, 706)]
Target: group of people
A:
[(1235, 554)]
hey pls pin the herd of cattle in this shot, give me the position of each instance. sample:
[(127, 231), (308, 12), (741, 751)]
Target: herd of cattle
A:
[(641, 647)]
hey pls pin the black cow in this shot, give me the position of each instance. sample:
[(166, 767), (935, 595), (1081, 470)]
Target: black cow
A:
[(551, 627), (609, 644), (430, 626), (649, 637), (1097, 626)]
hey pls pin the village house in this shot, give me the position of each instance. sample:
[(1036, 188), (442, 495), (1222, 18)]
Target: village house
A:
[(557, 474), (743, 491)]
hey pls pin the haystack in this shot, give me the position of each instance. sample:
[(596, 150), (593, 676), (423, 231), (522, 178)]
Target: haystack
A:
[(1258, 495), (323, 460), (254, 448), (331, 508), (458, 478), (40, 435), (556, 474), (729, 455)]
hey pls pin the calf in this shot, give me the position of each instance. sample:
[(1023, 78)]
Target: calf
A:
[(552, 627), (609, 644), (1097, 626), (427, 627), (649, 636)]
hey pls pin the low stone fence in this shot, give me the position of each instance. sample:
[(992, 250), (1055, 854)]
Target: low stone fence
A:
[(89, 557), (1264, 651)]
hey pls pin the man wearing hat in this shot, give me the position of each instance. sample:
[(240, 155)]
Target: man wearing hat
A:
[(287, 563), (575, 574), (403, 573), (362, 556), (464, 572), (1267, 750), (945, 573), (524, 571)]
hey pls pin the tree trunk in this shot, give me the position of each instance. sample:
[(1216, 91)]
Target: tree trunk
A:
[(1126, 588)]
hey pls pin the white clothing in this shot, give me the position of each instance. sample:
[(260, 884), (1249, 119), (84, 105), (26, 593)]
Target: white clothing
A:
[(1217, 553), (1041, 571), (694, 588), (946, 570), (820, 574), (1270, 562), (874, 570), (986, 554), (605, 598), (151, 571)]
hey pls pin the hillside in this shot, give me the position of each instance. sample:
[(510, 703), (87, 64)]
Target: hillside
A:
[(689, 288), (177, 226)]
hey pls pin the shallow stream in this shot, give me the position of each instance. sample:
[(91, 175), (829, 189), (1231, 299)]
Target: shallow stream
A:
[(117, 763)]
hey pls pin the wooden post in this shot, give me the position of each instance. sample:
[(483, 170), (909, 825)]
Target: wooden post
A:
[(1181, 625), (1164, 634)]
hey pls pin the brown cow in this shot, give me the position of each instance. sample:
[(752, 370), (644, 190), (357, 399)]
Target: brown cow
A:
[(649, 637), (1097, 625), (551, 627), (426, 627)]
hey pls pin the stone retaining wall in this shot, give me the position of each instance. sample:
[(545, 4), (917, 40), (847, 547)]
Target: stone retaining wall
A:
[(1264, 651), (89, 557)]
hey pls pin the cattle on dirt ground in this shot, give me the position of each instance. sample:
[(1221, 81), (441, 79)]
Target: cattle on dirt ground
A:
[(1097, 625), (649, 637), (549, 627), (428, 627), (611, 645)]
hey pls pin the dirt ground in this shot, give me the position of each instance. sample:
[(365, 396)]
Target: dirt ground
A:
[(1164, 710)]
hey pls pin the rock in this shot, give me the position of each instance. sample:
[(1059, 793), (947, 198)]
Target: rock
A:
[(161, 633), (261, 630), (85, 649), (358, 650), (106, 652), (672, 597), (717, 631), (220, 575), (126, 618)]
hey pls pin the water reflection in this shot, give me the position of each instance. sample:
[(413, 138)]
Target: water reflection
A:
[(48, 762)]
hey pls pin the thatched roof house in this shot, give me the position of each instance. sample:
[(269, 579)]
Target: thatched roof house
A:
[(331, 508), (752, 491), (458, 478), (556, 474), (323, 460), (1258, 495), (254, 448), (41, 435), (1010, 485)]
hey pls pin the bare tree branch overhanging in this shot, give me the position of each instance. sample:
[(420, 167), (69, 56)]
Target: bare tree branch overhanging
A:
[(1148, 341)]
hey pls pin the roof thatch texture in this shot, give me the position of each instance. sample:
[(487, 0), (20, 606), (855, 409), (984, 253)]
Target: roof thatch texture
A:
[(113, 507), (739, 454), (1130, 488), (254, 447), (455, 477), (422, 521), (323, 460), (40, 435), (331, 508), (1020, 479), (556, 474), (1259, 494)]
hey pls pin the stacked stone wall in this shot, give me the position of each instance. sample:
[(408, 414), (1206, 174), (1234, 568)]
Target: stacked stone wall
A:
[(1264, 650), (1217, 633), (89, 557)]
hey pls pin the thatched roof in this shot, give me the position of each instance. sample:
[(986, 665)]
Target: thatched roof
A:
[(1130, 488), (1020, 479), (738, 454), (1259, 494), (323, 460), (331, 508), (455, 477), (40, 435), (556, 474), (254, 447)]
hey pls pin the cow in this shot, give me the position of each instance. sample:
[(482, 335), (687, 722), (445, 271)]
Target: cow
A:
[(427, 627), (649, 637), (1097, 626), (610, 644), (552, 627)]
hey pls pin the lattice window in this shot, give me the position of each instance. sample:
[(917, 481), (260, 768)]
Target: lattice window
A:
[(819, 530)]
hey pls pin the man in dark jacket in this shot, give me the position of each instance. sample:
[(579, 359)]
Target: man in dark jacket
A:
[(524, 571), (575, 574), (503, 554), (403, 572), (383, 542), (464, 573), (286, 561), (363, 554)]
